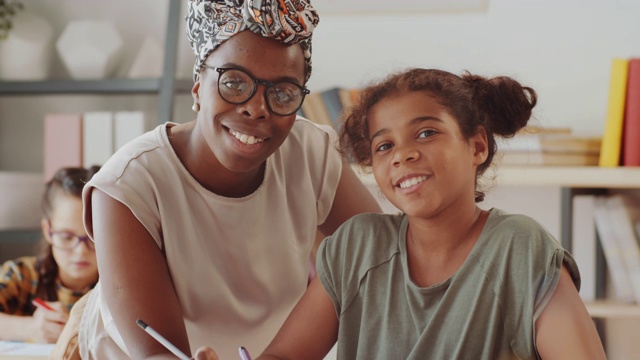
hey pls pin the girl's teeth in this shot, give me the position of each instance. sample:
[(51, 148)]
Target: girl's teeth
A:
[(410, 182)]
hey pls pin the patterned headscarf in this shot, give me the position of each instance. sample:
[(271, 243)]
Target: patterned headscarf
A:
[(212, 22)]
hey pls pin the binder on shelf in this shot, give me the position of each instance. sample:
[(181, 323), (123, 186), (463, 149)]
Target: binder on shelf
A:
[(584, 244), (62, 142), (631, 131), (612, 138), (127, 125), (97, 137), (612, 249)]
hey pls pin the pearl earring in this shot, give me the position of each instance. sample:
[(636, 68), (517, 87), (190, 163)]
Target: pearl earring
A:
[(195, 107)]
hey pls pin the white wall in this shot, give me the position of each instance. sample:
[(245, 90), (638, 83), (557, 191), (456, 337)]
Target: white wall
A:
[(562, 48)]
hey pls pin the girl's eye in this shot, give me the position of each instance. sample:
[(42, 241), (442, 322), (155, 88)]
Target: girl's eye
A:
[(383, 147), (426, 133)]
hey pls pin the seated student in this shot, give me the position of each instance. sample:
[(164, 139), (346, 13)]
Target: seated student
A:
[(66, 270), (444, 279)]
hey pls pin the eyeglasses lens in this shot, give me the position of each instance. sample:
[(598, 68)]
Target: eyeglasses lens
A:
[(236, 87), (68, 240)]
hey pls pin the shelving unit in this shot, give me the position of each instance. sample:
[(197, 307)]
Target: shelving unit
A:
[(572, 180), (166, 86)]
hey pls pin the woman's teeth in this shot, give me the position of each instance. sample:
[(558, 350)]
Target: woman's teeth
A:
[(244, 138)]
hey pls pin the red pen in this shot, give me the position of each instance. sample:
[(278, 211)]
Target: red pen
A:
[(40, 303)]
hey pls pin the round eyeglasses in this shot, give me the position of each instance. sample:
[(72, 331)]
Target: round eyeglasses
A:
[(235, 86), (67, 240)]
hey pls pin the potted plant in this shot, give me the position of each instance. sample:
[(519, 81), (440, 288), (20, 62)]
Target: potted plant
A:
[(8, 9), (25, 43)]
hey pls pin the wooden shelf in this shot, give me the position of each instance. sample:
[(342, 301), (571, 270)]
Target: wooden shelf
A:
[(560, 176), (610, 310)]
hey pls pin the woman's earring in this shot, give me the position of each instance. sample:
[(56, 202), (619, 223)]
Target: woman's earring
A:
[(195, 107)]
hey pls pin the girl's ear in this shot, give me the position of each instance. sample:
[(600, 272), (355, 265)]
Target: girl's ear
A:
[(480, 146), (46, 227)]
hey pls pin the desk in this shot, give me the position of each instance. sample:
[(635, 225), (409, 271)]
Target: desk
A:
[(10, 350)]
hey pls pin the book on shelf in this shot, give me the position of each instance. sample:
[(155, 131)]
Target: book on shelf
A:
[(97, 137), (62, 142), (612, 138), (613, 248), (631, 130), (541, 158), (333, 105)]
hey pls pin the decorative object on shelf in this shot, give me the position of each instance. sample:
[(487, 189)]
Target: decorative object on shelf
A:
[(25, 52), (20, 206), (90, 49), (148, 61)]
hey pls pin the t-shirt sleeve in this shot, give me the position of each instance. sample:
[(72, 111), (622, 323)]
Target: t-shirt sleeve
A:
[(320, 143)]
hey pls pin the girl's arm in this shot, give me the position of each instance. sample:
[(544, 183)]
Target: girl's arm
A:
[(135, 280), (309, 332), (565, 330), (311, 329), (45, 326)]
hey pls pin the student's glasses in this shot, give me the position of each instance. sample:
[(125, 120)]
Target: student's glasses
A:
[(236, 87), (67, 240)]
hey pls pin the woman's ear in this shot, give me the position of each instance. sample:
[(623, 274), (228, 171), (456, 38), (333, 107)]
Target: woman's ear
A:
[(46, 227), (195, 92), (480, 146)]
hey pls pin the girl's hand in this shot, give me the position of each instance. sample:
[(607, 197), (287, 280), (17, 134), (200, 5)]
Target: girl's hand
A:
[(205, 353), (47, 324)]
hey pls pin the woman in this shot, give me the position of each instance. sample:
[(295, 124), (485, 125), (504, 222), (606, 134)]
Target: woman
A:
[(204, 230), (36, 294)]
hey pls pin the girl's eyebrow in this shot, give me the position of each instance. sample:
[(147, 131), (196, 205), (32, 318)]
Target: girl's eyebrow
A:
[(419, 119)]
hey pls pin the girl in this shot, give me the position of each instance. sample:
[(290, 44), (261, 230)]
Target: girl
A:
[(444, 279), (65, 272)]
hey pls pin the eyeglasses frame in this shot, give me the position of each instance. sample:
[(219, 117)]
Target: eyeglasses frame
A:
[(80, 239), (256, 82)]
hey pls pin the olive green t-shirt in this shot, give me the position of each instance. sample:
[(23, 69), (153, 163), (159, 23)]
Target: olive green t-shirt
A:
[(486, 310)]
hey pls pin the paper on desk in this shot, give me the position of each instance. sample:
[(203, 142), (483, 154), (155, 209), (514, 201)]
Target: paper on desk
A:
[(26, 349)]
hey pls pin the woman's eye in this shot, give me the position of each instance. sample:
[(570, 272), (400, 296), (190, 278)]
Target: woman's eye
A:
[(426, 133)]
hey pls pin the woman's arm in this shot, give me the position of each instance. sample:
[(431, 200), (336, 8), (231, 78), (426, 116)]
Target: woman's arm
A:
[(135, 280), (351, 198), (311, 329), (565, 330)]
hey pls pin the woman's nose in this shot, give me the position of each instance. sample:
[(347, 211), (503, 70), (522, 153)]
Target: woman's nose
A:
[(256, 107)]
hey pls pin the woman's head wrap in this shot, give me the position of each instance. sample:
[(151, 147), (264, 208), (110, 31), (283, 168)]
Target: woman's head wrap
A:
[(212, 22)]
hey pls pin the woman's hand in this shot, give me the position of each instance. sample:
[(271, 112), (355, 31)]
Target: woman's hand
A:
[(46, 325)]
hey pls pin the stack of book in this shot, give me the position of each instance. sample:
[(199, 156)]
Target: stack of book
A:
[(549, 146), (621, 140)]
